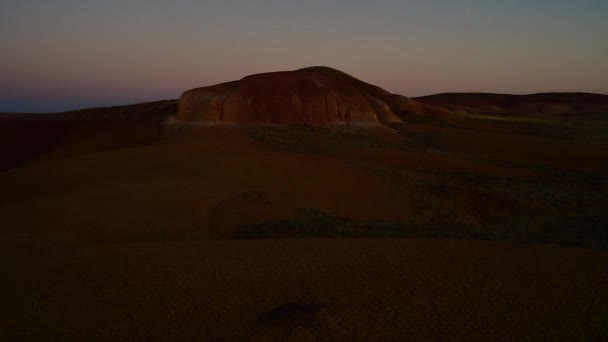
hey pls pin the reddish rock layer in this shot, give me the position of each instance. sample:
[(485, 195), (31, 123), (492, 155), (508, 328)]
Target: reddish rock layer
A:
[(313, 96)]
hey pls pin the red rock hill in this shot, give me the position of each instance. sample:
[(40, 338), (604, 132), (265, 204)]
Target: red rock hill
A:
[(312, 96)]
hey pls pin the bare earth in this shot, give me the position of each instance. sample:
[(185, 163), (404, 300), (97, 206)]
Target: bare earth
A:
[(473, 227), (371, 289)]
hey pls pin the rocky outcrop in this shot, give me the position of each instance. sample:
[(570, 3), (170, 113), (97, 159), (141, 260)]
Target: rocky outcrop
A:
[(312, 96)]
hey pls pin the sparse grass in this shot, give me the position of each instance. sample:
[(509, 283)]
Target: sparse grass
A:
[(579, 230)]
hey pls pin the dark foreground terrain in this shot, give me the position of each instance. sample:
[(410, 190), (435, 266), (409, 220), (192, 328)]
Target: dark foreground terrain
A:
[(365, 289), (122, 224)]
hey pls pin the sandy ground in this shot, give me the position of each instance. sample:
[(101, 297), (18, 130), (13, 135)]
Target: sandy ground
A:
[(371, 289), (122, 232)]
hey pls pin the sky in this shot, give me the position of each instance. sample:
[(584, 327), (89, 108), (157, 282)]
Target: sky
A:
[(69, 54)]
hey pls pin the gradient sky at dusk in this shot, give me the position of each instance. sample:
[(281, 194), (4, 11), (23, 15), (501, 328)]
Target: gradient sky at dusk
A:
[(68, 54)]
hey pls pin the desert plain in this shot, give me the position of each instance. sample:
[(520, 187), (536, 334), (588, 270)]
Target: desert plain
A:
[(463, 217)]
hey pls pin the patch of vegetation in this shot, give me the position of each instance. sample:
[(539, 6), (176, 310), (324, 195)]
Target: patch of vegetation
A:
[(282, 140), (588, 230), (314, 140)]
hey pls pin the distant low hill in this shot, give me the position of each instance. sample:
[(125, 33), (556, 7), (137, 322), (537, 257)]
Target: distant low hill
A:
[(24, 136), (148, 110), (550, 103)]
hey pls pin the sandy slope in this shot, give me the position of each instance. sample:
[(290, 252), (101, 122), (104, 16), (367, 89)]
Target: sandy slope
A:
[(214, 180), (123, 232), (372, 289)]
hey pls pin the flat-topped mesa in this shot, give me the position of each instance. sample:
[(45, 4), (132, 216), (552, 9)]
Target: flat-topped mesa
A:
[(312, 96)]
